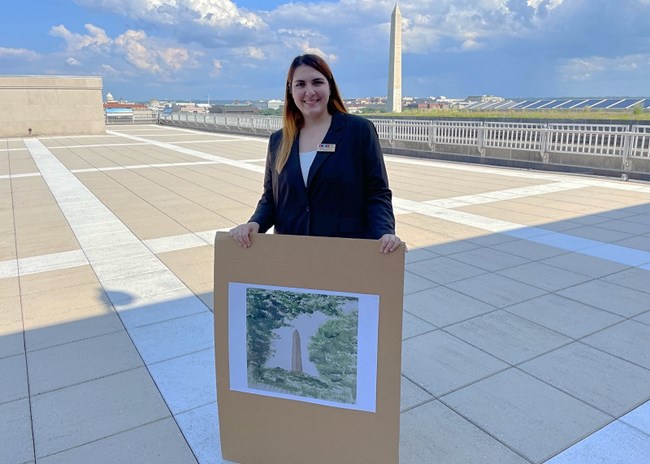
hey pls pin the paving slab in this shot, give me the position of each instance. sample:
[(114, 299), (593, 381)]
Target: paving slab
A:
[(67, 418), (489, 259), (600, 234), (414, 283), (160, 442), (639, 418), (617, 443), (186, 382), (433, 433), (76, 324), (508, 337), (586, 265), (528, 250), (601, 380), (533, 418), (496, 290), (643, 318), (442, 306), (13, 381), (413, 326), (169, 339), (609, 297), (411, 395), (419, 254), (629, 340), (72, 363), (16, 446), (43, 305), (55, 280), (122, 289), (200, 427), (11, 329), (565, 316), (444, 270), (634, 278), (151, 309), (9, 289), (543, 276), (440, 363)]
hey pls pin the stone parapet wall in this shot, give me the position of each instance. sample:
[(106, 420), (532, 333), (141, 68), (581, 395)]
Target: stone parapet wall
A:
[(51, 105)]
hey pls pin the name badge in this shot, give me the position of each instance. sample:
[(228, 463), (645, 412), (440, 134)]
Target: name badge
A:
[(327, 147)]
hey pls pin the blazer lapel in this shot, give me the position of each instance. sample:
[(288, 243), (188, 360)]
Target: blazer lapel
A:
[(333, 136)]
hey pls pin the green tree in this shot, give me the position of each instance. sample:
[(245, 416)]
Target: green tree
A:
[(333, 349)]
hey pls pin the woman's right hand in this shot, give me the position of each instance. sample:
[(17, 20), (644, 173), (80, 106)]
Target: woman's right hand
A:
[(242, 233)]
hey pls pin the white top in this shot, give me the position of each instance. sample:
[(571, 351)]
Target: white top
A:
[(306, 159)]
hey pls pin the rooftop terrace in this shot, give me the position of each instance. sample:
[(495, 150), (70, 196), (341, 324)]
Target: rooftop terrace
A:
[(526, 335)]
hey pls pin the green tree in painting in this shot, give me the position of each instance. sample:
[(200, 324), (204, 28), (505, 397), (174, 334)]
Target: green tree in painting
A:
[(333, 349), (268, 310)]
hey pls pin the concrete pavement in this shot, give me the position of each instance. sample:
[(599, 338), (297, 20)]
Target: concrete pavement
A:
[(526, 308)]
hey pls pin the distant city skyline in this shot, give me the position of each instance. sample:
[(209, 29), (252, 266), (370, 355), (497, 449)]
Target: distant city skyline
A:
[(192, 49)]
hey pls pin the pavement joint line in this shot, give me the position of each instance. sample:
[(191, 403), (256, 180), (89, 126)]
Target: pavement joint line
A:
[(255, 138), (97, 145), (54, 172), (495, 170), (210, 141), (143, 166), (196, 153), (18, 176), (504, 195)]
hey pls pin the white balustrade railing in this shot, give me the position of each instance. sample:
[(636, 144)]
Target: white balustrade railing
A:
[(617, 140)]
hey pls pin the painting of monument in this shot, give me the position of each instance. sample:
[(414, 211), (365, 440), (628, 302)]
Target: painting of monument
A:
[(322, 363), (304, 344)]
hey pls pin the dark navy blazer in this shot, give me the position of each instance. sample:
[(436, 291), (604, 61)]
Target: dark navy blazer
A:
[(347, 193)]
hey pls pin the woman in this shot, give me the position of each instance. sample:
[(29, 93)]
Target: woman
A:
[(325, 172)]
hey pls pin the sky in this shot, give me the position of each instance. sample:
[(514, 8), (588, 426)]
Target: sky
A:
[(225, 49)]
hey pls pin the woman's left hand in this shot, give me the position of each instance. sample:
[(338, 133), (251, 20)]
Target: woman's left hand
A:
[(389, 243)]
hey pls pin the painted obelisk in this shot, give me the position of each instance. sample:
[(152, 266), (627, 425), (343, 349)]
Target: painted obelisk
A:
[(296, 353), (394, 101)]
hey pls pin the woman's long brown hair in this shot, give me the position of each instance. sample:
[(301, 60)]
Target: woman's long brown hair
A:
[(292, 120)]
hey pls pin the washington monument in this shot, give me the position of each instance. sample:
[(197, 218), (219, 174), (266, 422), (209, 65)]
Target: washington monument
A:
[(394, 102)]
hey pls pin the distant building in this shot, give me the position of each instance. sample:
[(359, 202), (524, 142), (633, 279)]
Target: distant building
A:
[(234, 109), (275, 104), (192, 108)]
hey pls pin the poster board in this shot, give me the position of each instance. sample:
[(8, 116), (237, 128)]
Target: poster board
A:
[(292, 404)]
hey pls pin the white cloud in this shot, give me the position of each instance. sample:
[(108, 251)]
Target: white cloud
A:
[(108, 69), (585, 69), (212, 13), (148, 55), (253, 52), (97, 39), (18, 53), (460, 47), (217, 66), (548, 4), (306, 48)]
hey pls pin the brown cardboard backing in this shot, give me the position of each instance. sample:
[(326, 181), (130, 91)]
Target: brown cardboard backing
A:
[(264, 430)]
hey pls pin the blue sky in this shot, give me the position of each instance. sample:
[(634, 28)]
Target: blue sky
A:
[(189, 49)]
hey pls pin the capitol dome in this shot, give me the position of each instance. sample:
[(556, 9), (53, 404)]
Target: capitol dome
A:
[(109, 97)]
